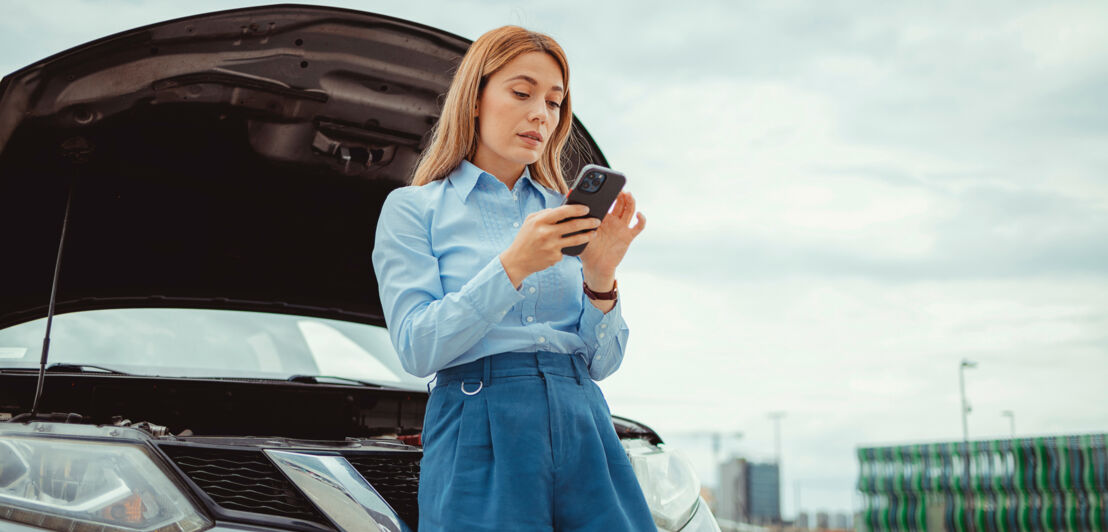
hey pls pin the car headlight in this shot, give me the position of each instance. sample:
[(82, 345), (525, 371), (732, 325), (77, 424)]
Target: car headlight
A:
[(668, 481), (90, 485)]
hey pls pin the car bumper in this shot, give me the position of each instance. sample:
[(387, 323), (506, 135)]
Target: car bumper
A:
[(8, 526), (702, 521)]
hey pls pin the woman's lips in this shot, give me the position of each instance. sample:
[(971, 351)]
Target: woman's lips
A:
[(528, 140)]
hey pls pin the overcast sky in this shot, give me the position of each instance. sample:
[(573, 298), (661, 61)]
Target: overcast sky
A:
[(845, 199)]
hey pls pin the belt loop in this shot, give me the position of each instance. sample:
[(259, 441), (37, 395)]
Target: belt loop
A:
[(488, 370), (577, 361), (434, 380)]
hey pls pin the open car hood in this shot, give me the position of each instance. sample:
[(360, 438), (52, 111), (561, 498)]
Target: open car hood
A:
[(231, 160)]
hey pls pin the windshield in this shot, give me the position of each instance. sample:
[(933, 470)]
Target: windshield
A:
[(209, 343)]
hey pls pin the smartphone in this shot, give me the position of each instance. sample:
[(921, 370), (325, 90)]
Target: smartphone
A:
[(596, 187)]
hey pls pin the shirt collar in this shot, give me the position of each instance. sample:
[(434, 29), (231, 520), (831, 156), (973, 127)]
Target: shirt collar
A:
[(464, 178), (526, 179)]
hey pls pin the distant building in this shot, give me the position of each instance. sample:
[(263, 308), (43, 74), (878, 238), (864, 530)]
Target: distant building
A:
[(731, 497), (839, 521), (749, 492), (801, 521), (822, 521), (765, 493)]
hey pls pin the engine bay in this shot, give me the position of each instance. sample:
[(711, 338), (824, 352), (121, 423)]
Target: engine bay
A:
[(181, 408)]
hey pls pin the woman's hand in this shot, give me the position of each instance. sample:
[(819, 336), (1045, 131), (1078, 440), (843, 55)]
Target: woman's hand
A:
[(540, 240), (607, 247)]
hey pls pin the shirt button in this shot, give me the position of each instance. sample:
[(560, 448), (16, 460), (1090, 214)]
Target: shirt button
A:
[(603, 325), (531, 290), (515, 195), (530, 318), (601, 335), (515, 224), (542, 339)]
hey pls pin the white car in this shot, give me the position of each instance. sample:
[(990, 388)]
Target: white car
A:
[(188, 215)]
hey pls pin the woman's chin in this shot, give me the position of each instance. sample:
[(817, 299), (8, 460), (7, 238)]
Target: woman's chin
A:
[(512, 156), (529, 156)]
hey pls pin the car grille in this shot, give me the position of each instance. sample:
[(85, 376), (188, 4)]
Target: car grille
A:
[(245, 480), (396, 477)]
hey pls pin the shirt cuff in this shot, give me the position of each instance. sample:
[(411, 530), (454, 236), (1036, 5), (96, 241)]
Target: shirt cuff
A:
[(598, 327), (491, 292)]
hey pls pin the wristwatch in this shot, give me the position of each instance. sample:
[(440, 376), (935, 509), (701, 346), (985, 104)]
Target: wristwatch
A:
[(606, 296)]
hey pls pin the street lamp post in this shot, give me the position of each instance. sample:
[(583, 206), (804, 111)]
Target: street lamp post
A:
[(965, 407), (967, 492), (1011, 421)]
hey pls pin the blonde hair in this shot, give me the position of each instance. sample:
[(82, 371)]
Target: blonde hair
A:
[(454, 137)]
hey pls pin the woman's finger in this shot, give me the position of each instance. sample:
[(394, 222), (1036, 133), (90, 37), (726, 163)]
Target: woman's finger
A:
[(638, 226), (573, 226), (562, 212), (575, 240), (630, 206), (620, 209)]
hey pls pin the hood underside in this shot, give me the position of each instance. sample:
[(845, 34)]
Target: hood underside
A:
[(232, 160)]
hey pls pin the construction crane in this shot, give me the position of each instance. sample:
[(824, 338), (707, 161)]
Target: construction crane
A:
[(716, 438)]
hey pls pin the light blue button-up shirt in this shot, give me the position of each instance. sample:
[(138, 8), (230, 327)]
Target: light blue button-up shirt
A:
[(446, 298)]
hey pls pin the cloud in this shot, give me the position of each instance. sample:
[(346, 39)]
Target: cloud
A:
[(989, 233)]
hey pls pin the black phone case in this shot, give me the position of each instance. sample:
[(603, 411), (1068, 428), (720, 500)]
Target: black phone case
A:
[(598, 202)]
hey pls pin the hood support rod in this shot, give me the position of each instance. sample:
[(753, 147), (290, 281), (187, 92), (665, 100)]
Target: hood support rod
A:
[(53, 297)]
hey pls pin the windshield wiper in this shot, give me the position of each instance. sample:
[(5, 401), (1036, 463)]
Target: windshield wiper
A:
[(318, 379), (82, 368)]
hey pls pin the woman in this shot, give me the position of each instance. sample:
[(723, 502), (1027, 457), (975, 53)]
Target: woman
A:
[(474, 287)]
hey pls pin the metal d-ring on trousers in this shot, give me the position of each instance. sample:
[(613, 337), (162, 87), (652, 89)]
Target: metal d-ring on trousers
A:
[(525, 442)]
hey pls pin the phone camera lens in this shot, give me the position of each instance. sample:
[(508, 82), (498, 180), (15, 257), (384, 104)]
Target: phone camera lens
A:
[(592, 181)]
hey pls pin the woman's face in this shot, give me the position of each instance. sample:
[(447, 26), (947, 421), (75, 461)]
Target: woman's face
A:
[(517, 112)]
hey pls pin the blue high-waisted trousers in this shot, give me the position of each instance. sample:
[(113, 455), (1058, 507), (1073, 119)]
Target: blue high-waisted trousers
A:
[(525, 442)]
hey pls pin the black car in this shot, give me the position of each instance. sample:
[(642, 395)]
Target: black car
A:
[(188, 211)]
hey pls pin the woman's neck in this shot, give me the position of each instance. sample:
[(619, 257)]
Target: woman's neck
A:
[(505, 171)]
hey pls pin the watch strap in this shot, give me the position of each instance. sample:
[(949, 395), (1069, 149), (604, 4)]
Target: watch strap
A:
[(605, 296)]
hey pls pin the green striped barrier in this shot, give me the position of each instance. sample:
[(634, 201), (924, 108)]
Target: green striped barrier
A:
[(1044, 483)]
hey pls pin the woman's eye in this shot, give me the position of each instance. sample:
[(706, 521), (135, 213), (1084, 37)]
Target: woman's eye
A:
[(553, 104), (521, 94)]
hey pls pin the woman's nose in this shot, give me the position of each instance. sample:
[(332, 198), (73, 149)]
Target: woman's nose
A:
[(538, 113)]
